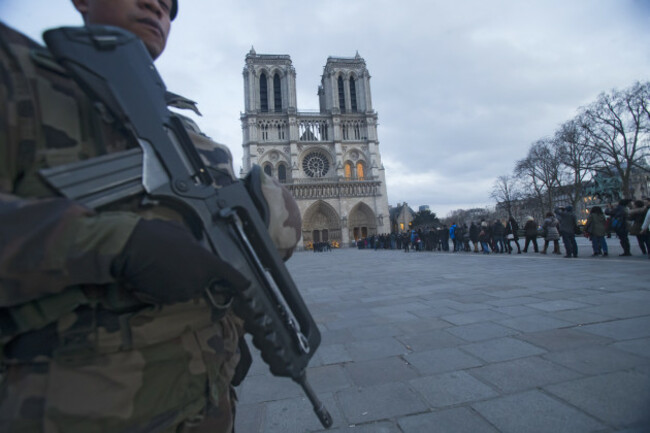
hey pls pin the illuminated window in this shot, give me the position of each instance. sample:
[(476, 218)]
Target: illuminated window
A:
[(348, 170), (360, 170), (401, 226)]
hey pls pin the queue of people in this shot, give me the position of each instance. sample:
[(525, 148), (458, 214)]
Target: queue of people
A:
[(626, 218)]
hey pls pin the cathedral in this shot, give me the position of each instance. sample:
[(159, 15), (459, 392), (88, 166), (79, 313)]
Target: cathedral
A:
[(328, 158)]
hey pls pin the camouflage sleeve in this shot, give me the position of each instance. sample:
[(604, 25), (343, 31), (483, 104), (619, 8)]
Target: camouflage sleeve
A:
[(47, 245), (284, 223)]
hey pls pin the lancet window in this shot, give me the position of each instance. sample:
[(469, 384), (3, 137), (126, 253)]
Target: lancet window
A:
[(353, 95), (282, 173), (341, 95), (264, 95), (277, 93)]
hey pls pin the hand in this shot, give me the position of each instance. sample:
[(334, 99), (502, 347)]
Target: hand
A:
[(164, 263)]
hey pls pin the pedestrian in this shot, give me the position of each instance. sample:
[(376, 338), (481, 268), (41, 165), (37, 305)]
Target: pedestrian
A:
[(512, 234), (645, 227), (567, 228), (452, 236), (474, 230), (551, 233), (498, 236), (104, 325), (530, 231), (484, 237), (618, 223), (597, 230), (637, 216)]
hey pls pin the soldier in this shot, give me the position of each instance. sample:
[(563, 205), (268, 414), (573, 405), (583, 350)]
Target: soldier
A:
[(102, 322)]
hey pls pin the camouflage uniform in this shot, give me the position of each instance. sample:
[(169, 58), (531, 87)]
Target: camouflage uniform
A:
[(78, 351)]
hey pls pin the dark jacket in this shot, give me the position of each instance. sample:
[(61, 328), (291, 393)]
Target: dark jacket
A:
[(530, 229), (512, 228), (498, 230), (474, 230), (596, 225), (619, 218), (637, 215), (567, 220)]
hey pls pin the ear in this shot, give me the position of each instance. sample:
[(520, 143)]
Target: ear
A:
[(81, 6)]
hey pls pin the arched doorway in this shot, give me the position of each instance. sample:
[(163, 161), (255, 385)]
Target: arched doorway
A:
[(362, 222), (321, 223)]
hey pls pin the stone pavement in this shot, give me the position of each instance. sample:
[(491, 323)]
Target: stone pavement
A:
[(441, 342)]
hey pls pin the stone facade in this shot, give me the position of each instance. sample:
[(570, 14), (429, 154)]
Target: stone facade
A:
[(328, 158)]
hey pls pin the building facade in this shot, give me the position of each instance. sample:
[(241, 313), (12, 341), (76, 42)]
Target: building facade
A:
[(328, 158)]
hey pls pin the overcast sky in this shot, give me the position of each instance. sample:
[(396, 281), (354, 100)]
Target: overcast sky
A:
[(461, 88)]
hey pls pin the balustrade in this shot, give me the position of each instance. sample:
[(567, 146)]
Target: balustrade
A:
[(321, 189)]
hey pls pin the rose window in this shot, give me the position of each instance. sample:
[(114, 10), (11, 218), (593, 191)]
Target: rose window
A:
[(315, 165)]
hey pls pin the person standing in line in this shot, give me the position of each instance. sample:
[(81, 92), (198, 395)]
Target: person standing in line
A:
[(484, 237), (530, 231), (597, 230), (637, 216), (551, 233), (512, 234), (474, 230), (452, 235), (618, 223), (568, 225), (645, 227), (444, 238), (498, 233)]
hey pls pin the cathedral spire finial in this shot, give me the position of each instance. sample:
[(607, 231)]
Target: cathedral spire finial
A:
[(357, 56), (252, 51)]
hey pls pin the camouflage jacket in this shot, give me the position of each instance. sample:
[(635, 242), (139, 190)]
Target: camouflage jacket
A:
[(80, 352)]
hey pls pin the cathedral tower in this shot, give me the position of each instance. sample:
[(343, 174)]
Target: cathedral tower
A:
[(328, 158)]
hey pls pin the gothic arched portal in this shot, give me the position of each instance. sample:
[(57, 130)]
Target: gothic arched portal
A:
[(321, 223), (362, 222)]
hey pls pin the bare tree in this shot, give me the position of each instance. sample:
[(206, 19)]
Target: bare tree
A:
[(617, 127), (576, 157), (507, 191), (643, 99), (541, 169)]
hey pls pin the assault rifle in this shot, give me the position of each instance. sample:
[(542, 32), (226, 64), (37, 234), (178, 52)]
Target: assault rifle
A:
[(113, 67)]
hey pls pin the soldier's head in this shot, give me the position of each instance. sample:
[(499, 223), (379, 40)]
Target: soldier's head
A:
[(150, 20)]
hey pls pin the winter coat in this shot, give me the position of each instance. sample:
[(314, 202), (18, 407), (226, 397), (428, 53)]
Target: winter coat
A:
[(596, 225), (530, 228), (637, 215), (498, 230), (512, 228), (473, 232), (484, 234), (618, 213), (550, 229), (567, 220)]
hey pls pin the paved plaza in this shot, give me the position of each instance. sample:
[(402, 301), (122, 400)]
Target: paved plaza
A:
[(466, 343)]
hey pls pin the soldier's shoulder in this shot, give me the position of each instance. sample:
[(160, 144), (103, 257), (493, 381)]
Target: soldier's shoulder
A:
[(213, 154), (12, 37)]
